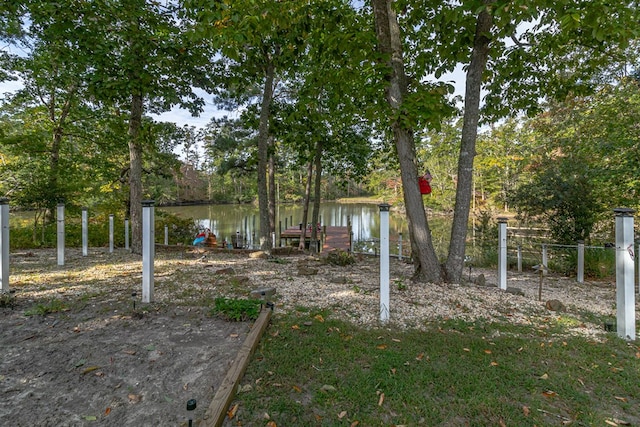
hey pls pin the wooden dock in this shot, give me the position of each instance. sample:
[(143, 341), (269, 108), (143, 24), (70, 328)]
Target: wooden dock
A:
[(332, 237)]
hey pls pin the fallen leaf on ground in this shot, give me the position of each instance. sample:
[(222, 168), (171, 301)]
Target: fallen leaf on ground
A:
[(297, 389), (134, 398), (395, 340), (420, 356), (610, 423), (90, 369), (355, 423), (381, 399), (526, 411), (295, 327), (466, 349), (487, 351), (544, 376), (232, 412), (271, 424), (129, 352), (622, 399), (319, 318), (107, 411), (549, 393), (381, 346), (494, 363), (342, 414)]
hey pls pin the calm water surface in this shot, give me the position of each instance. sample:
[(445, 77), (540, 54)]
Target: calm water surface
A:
[(227, 220)]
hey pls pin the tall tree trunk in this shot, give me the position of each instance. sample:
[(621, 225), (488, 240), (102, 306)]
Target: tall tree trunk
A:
[(455, 259), (427, 267), (135, 173), (305, 206), (263, 153), (53, 190), (316, 198), (272, 186)]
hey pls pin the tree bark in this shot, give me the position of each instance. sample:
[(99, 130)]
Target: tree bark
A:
[(305, 206), (427, 266), (272, 186), (316, 198), (263, 155), (135, 173), (480, 53)]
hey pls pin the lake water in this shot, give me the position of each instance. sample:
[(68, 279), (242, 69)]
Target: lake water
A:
[(227, 220)]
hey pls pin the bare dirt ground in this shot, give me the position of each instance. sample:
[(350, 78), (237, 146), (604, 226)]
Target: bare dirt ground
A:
[(75, 352)]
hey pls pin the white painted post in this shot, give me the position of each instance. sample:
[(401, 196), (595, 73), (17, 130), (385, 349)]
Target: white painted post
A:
[(502, 253), (110, 233), (4, 244), (580, 261), (545, 262), (166, 235), (85, 233), (384, 262), (519, 258), (625, 292), (60, 230), (126, 233), (148, 250), (273, 239), (400, 246)]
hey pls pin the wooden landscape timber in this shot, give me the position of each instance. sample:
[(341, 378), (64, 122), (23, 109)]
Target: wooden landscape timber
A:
[(214, 416)]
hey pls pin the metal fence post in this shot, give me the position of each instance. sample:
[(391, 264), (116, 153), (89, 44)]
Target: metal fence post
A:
[(502, 253), (384, 262), (625, 280), (580, 261)]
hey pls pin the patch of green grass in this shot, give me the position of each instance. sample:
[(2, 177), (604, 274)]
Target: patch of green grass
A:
[(237, 309), (42, 309), (310, 369)]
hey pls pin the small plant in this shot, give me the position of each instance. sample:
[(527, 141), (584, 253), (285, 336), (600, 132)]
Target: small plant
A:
[(53, 306), (400, 284), (340, 257), (237, 310), (7, 300)]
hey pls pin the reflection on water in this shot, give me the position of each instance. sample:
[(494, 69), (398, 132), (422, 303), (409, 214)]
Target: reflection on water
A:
[(228, 220)]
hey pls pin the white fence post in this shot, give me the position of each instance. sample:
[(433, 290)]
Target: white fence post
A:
[(545, 262), (625, 280), (400, 246), (126, 233), (519, 258), (502, 253), (384, 262), (60, 230), (85, 232), (4, 244), (148, 249), (110, 233), (580, 261), (166, 235)]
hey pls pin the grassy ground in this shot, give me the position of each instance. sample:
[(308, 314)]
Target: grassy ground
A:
[(312, 370)]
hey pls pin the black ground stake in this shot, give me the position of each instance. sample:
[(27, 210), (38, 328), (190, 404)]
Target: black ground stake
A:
[(191, 406)]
